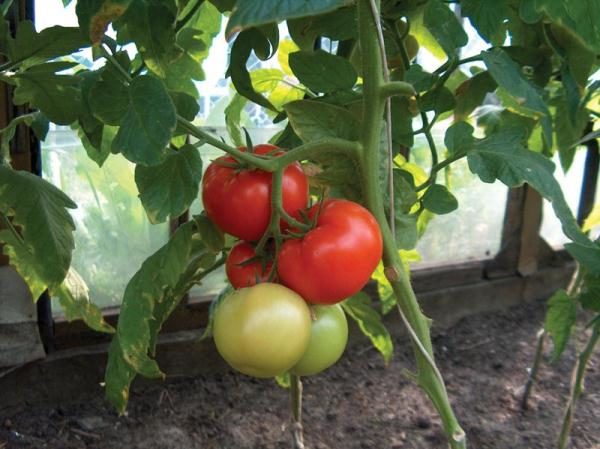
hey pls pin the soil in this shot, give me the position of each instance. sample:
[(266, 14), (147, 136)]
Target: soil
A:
[(358, 404)]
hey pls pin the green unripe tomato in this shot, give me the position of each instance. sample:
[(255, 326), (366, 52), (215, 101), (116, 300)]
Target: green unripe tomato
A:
[(328, 338), (262, 331)]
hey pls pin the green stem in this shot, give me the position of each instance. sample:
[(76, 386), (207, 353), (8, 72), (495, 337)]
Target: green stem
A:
[(296, 405), (537, 359), (373, 108), (437, 168), (577, 387), (400, 88)]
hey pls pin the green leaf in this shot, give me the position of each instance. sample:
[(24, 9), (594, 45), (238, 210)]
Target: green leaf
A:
[(211, 236), (109, 98), (57, 96), (8, 133), (283, 380), (420, 79), (406, 230), (39, 210), (151, 25), (29, 47), (579, 16), (560, 318), (208, 331), (439, 200), (438, 100), (589, 294), (337, 25), (274, 83), (567, 132), (233, 117), (502, 156), (75, 301), (168, 189), (444, 26), (322, 72), (100, 149), (94, 16), (185, 105), (471, 93), (148, 125), (508, 75), (312, 120), (246, 14), (119, 375), (588, 256), (487, 17), (402, 129), (150, 296), (359, 308), (246, 42), (459, 138)]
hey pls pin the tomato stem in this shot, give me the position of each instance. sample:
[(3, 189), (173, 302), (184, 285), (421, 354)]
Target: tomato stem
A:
[(428, 377), (578, 377), (296, 405)]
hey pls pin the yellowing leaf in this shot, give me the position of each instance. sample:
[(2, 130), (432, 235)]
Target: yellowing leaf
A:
[(592, 220), (286, 47)]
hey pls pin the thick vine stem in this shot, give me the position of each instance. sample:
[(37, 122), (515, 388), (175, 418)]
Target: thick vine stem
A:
[(296, 405), (577, 387), (373, 111)]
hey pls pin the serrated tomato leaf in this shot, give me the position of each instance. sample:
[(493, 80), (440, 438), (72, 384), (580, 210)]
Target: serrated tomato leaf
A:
[(148, 124), (150, 297), (359, 308), (312, 120), (322, 72), (39, 211), (167, 190), (74, 298)]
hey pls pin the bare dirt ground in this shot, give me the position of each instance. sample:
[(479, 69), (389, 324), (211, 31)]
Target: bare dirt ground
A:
[(358, 404)]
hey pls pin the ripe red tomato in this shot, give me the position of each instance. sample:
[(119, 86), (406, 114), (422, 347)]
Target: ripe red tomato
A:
[(239, 201), (335, 259), (242, 273)]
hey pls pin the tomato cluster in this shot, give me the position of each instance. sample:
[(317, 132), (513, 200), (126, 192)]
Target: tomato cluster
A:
[(284, 314)]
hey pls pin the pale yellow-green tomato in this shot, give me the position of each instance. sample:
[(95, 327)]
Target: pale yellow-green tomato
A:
[(328, 338), (262, 331)]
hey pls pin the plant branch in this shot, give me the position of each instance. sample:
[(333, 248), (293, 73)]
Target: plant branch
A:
[(8, 224)]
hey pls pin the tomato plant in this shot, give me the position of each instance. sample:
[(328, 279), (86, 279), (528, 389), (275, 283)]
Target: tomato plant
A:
[(328, 338), (244, 268), (335, 259), (262, 330), (238, 200), (503, 111)]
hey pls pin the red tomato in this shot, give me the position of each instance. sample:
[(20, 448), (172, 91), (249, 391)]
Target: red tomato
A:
[(242, 274), (239, 201), (335, 259)]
